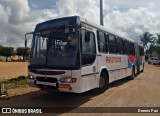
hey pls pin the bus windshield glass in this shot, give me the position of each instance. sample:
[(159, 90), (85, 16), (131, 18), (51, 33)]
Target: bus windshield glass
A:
[(56, 48)]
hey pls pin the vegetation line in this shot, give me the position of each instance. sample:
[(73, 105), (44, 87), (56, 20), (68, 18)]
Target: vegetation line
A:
[(20, 81), (9, 51)]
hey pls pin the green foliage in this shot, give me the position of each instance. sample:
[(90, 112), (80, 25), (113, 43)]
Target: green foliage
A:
[(157, 44), (21, 81), (23, 51), (158, 41), (151, 49), (7, 52), (1, 50), (147, 38), (1, 46), (157, 48)]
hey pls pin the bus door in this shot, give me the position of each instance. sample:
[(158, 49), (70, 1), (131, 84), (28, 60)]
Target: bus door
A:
[(88, 59)]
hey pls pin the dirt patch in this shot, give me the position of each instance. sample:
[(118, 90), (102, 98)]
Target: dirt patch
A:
[(13, 69), (21, 91)]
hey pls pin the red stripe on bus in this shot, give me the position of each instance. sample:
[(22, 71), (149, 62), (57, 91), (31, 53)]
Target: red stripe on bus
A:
[(132, 59)]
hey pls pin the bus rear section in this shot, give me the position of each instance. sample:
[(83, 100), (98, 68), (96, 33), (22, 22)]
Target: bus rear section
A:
[(139, 58)]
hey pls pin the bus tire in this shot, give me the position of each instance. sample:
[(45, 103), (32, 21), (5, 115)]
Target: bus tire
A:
[(133, 73), (103, 84)]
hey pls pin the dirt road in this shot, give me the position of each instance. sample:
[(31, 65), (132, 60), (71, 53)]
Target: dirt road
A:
[(144, 91), (13, 69)]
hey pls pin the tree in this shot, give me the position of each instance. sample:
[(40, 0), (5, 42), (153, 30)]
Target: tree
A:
[(158, 41), (157, 45), (157, 48), (147, 38), (1, 49), (23, 51), (7, 52)]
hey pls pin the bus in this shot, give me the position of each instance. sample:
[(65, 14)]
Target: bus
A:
[(71, 54)]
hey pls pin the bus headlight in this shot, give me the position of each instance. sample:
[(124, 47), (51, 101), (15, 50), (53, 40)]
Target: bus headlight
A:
[(68, 80), (31, 77)]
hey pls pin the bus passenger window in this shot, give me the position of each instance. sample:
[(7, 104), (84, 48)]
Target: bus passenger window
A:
[(126, 47), (131, 49), (119, 46), (88, 49), (102, 42), (112, 42)]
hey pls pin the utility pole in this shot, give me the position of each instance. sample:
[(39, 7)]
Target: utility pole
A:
[(101, 12)]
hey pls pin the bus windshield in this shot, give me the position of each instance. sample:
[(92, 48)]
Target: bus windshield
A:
[(56, 48)]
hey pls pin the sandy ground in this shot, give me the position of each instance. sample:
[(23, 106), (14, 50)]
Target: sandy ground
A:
[(13, 69), (143, 91)]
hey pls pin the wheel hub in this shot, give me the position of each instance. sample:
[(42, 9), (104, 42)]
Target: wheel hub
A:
[(102, 82)]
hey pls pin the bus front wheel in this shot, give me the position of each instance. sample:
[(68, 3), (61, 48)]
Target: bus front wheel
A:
[(103, 84)]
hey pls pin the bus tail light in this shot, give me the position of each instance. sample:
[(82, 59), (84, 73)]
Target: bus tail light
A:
[(74, 80), (68, 80)]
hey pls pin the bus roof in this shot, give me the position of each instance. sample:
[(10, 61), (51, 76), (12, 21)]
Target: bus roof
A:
[(104, 29), (80, 19)]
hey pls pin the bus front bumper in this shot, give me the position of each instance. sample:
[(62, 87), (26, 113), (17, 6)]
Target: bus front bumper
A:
[(61, 87)]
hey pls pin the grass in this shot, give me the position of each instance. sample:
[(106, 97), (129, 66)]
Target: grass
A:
[(13, 83), (16, 86)]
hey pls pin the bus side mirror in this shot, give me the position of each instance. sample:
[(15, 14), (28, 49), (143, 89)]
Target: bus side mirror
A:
[(25, 43), (87, 37), (26, 38)]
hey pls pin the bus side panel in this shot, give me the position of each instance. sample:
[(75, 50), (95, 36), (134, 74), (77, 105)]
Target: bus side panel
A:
[(89, 82), (116, 65), (129, 71), (142, 61), (89, 76)]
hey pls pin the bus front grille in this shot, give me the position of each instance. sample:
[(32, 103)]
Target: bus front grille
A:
[(46, 79), (47, 72)]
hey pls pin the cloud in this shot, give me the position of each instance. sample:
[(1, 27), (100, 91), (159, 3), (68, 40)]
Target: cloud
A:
[(134, 21), (85, 8), (17, 10), (18, 18), (12, 16), (42, 4)]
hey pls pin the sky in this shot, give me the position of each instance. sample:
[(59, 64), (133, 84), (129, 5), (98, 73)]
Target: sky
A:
[(129, 18)]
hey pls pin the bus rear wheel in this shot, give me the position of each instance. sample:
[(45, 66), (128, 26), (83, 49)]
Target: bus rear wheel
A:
[(103, 84)]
